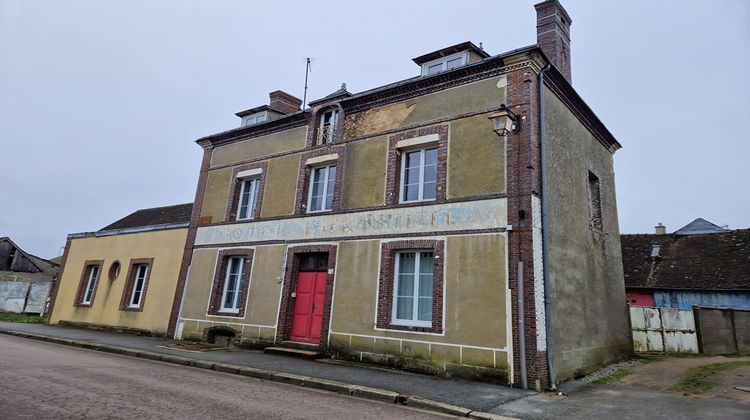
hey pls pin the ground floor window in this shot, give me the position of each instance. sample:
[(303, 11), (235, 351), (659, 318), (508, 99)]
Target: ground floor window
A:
[(134, 290), (230, 300), (88, 283), (413, 288), (231, 282), (410, 290)]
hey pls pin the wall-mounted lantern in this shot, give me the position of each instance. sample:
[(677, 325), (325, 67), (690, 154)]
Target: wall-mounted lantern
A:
[(505, 121)]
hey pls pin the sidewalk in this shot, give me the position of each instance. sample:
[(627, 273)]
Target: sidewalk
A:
[(473, 395)]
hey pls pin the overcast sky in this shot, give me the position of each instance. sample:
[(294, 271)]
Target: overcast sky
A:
[(101, 102)]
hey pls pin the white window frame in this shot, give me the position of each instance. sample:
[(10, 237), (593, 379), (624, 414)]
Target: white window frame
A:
[(444, 62), (238, 295), (253, 119), (420, 197), (254, 184), (327, 168), (414, 322), (332, 123), (145, 268), (94, 271)]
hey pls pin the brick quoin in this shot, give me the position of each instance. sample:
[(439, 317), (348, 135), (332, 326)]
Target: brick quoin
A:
[(523, 163)]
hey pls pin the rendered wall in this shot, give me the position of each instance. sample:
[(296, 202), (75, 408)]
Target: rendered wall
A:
[(589, 317), (164, 246)]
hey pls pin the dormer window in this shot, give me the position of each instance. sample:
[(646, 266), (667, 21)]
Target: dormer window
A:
[(253, 119), (444, 63), (327, 127)]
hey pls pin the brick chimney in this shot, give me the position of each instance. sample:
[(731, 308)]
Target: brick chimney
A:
[(553, 34), (284, 102)]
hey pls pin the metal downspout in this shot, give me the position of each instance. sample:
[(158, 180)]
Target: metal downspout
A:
[(545, 230)]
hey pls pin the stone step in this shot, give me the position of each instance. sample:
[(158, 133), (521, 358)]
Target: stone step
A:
[(300, 346), (286, 351)]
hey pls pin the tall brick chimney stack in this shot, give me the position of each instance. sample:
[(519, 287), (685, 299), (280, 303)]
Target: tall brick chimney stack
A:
[(553, 34), (284, 102)]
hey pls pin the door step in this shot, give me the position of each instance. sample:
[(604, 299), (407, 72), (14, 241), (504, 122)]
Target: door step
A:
[(294, 352)]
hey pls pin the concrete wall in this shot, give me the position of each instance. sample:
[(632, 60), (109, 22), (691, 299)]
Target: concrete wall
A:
[(365, 165), (589, 317), (164, 246), (259, 147)]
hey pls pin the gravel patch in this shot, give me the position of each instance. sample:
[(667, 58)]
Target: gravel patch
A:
[(609, 370)]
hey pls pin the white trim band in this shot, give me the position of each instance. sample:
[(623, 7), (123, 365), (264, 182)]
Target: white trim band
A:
[(249, 173), (322, 159), (416, 141)]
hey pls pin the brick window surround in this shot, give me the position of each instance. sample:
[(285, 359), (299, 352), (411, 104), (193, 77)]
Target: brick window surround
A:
[(127, 290), (286, 309), (217, 290), (305, 172), (314, 122), (235, 188), (87, 265), (393, 179), (386, 284)]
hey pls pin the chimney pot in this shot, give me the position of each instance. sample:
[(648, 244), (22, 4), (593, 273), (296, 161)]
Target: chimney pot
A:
[(661, 229), (283, 102), (553, 34)]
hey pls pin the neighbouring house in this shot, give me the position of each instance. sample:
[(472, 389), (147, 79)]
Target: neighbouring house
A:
[(25, 279), (123, 277), (701, 264), (462, 221)]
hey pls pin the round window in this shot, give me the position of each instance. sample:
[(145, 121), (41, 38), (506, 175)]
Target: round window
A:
[(114, 270)]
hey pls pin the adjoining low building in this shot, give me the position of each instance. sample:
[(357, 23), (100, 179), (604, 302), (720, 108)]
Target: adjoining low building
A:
[(123, 277), (462, 221), (25, 279), (701, 264)]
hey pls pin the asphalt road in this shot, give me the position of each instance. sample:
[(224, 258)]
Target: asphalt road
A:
[(44, 381)]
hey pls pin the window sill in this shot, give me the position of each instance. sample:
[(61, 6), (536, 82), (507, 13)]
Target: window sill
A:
[(223, 313), (318, 211)]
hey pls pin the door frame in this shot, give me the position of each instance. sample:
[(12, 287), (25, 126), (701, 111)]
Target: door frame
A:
[(286, 307)]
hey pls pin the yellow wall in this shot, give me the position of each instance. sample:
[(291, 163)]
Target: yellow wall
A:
[(164, 246), (255, 148)]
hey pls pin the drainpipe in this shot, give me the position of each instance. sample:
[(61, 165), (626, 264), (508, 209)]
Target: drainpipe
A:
[(545, 230)]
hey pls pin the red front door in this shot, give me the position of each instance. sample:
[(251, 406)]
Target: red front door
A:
[(308, 306)]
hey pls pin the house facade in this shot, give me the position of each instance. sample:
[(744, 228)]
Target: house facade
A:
[(123, 277), (459, 221), (700, 264)]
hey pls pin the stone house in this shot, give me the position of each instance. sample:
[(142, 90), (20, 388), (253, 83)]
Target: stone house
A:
[(461, 221), (123, 276)]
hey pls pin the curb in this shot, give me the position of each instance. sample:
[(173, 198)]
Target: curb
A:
[(359, 391)]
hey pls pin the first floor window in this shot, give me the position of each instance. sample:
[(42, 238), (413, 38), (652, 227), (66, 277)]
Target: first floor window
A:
[(139, 284), (232, 295), (248, 199), (322, 181), (91, 279), (419, 175), (413, 288)]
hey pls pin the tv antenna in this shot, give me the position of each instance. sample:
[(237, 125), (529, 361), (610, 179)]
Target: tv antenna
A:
[(308, 69)]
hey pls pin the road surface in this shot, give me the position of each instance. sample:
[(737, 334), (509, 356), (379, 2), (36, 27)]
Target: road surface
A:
[(44, 381)]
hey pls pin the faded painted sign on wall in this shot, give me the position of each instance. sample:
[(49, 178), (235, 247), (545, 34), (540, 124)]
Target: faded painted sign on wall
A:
[(481, 214)]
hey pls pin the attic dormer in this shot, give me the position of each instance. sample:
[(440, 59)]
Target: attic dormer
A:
[(450, 58), (280, 104)]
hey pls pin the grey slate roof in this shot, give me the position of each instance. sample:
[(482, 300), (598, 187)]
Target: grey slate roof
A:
[(179, 213), (699, 225)]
